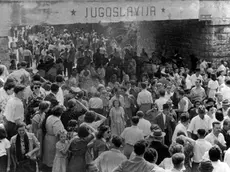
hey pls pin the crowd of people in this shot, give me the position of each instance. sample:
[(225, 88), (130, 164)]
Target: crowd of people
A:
[(93, 109)]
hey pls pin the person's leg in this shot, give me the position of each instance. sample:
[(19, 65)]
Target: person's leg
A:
[(10, 129), (70, 69), (65, 67), (3, 163)]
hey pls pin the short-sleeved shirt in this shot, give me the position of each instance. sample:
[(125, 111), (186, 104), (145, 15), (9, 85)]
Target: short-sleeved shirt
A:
[(201, 146), (132, 134), (211, 138), (14, 110), (4, 97), (198, 123), (4, 145)]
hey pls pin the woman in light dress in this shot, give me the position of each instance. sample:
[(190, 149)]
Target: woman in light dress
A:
[(117, 115), (53, 126)]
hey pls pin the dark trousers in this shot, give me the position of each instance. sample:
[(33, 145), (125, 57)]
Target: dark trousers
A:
[(28, 61), (195, 167), (11, 129), (26, 166), (3, 163), (65, 66), (70, 68)]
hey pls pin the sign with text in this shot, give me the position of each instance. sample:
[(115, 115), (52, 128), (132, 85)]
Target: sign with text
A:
[(94, 12)]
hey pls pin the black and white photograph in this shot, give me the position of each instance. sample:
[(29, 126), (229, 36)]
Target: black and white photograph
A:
[(114, 86)]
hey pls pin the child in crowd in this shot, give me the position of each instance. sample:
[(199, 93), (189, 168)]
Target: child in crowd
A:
[(60, 160)]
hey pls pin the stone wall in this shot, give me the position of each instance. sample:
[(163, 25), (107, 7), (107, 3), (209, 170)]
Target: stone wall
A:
[(203, 39), (219, 47)]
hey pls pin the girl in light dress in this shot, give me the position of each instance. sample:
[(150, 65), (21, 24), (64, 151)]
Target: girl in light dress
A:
[(62, 146)]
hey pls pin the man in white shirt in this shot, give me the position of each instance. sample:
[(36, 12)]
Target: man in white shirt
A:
[(143, 124), (162, 100), (131, 135), (96, 103), (215, 157), (109, 160), (181, 126), (14, 111), (222, 67), (144, 98), (203, 65), (198, 92), (216, 137), (196, 76), (201, 121), (6, 93), (201, 146)]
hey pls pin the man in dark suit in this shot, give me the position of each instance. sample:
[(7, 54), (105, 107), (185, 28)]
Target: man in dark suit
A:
[(157, 143), (166, 123), (51, 97)]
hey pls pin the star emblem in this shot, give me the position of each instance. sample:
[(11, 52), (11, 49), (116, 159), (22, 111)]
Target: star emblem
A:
[(73, 12), (163, 10)]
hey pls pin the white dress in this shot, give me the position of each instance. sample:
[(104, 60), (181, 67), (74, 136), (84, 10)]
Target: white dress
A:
[(213, 86)]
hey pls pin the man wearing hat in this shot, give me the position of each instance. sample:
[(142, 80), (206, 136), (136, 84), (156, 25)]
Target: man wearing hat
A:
[(158, 143), (166, 123), (201, 121), (225, 107)]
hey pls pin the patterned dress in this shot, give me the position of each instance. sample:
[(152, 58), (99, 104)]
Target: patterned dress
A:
[(117, 120), (60, 160)]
